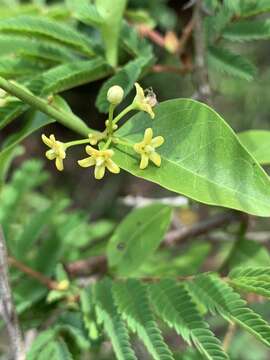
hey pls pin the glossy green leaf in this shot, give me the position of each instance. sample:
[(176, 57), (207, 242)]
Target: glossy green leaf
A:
[(137, 237), (112, 14), (258, 144), (201, 158)]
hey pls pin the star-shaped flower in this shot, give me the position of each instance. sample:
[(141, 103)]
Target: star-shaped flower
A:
[(101, 159), (146, 148), (57, 151), (142, 102)]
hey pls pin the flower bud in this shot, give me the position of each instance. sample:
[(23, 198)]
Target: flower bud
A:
[(115, 94)]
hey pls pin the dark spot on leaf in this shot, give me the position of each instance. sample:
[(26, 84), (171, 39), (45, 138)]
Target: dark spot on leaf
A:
[(120, 246)]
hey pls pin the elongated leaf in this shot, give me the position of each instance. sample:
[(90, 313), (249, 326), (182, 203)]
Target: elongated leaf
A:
[(174, 304), (69, 75), (126, 77), (137, 237), (11, 110), (36, 27), (12, 68), (40, 49), (258, 144), (255, 7), (248, 30), (225, 61), (111, 25), (132, 301), (201, 157), (86, 12), (40, 343), (113, 324), (251, 279), (219, 297)]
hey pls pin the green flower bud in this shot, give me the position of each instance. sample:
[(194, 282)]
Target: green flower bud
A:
[(115, 95)]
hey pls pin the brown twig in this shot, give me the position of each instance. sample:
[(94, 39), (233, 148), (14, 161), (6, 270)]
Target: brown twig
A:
[(98, 264), (159, 68), (186, 35), (229, 336), (204, 92), (42, 279), (152, 35), (7, 306)]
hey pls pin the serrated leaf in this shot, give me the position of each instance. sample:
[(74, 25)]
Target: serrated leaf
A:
[(225, 61), (175, 306), (36, 48), (112, 322), (70, 75), (247, 30), (37, 27), (126, 77), (251, 279), (132, 301), (137, 237), (258, 144), (201, 158), (217, 296), (111, 25)]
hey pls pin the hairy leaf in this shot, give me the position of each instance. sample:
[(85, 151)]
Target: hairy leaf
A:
[(137, 237), (219, 297), (258, 144), (112, 322), (201, 158), (225, 61), (247, 30), (132, 300), (174, 304), (37, 27)]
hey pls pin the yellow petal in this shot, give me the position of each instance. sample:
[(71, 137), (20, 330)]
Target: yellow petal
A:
[(144, 161), (50, 154), (99, 171), (139, 93), (89, 161), (155, 158), (46, 140), (52, 138), (157, 141), (137, 147), (91, 151), (112, 167), (148, 135), (148, 108), (59, 164)]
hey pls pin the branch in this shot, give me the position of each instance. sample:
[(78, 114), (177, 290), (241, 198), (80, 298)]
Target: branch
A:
[(7, 306), (98, 264), (204, 92), (50, 284), (63, 117)]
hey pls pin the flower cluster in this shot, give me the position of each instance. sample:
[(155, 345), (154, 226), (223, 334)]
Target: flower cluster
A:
[(102, 156)]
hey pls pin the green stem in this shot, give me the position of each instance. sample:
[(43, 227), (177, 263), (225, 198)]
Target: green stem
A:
[(123, 113), (117, 141), (65, 118), (107, 144), (110, 126), (76, 142)]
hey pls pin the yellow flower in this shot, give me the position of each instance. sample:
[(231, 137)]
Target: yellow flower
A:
[(56, 152), (147, 147), (142, 102), (101, 159)]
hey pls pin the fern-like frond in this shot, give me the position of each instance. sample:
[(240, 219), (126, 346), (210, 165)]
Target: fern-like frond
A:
[(247, 30), (34, 26), (252, 279), (175, 306), (69, 75), (12, 68), (217, 296), (112, 322), (225, 61), (132, 301), (126, 77)]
